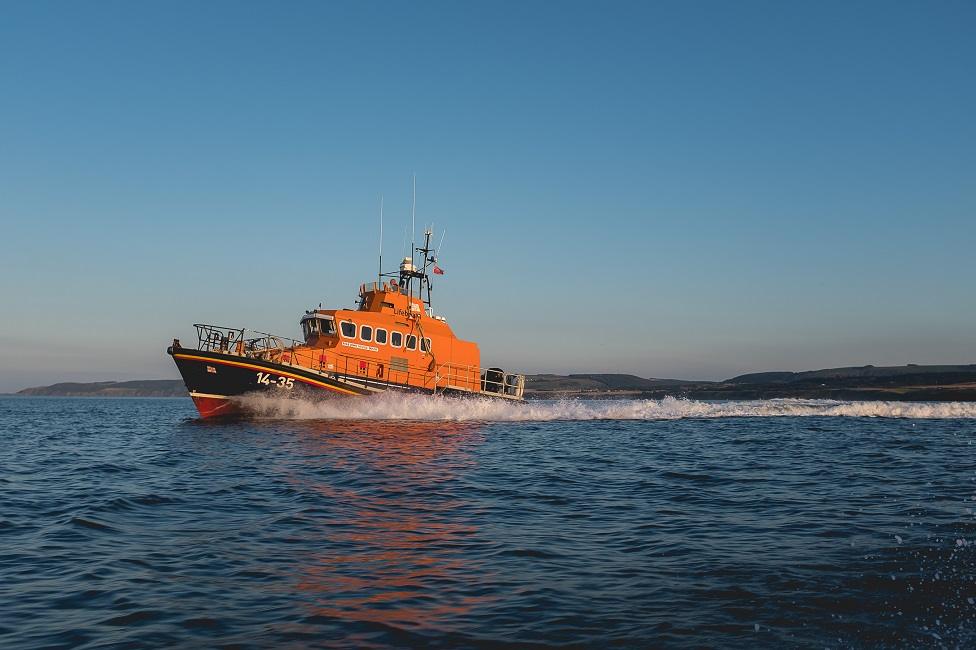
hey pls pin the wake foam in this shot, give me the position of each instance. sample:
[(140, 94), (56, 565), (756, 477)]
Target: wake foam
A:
[(399, 406)]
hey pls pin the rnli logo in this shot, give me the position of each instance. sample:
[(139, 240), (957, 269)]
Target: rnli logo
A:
[(211, 370)]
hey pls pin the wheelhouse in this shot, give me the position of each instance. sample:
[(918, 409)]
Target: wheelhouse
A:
[(315, 325)]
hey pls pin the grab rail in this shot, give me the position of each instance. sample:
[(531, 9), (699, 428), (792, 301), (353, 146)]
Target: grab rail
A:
[(453, 375), (287, 351), (219, 338)]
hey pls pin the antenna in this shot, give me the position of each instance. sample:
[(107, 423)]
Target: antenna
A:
[(413, 219), (437, 251), (379, 276)]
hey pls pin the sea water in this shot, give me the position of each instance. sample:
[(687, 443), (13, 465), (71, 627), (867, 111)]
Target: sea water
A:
[(407, 521)]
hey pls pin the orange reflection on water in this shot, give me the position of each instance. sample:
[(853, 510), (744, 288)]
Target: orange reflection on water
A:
[(396, 555)]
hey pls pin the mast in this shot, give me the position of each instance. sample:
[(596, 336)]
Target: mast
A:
[(408, 274), (424, 278), (408, 267)]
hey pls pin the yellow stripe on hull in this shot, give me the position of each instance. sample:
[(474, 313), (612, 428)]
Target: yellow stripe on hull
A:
[(276, 371)]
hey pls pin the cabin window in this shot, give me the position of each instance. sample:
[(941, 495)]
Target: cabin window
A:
[(381, 336), (348, 329), (425, 344), (411, 342), (366, 333), (327, 326), (396, 339)]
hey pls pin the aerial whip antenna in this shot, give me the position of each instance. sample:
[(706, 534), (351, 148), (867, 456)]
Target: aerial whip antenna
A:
[(379, 276), (437, 251), (413, 219)]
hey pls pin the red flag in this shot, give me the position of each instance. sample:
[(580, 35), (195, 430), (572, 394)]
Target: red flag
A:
[(438, 270)]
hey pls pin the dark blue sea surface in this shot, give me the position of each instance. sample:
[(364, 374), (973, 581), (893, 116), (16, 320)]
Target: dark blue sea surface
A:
[(131, 523)]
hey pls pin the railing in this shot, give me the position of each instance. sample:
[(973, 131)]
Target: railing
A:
[(353, 367), (232, 340), (467, 377), (514, 385), (287, 351), (367, 287)]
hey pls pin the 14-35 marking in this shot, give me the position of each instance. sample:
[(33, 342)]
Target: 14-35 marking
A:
[(282, 382)]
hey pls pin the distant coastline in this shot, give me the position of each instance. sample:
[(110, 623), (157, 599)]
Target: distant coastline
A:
[(955, 383), (140, 388), (902, 383)]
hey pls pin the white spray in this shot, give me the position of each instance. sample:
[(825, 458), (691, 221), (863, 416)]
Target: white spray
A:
[(399, 406)]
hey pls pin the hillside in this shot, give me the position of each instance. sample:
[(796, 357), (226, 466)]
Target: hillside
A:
[(860, 373), (141, 388), (911, 382), (597, 383)]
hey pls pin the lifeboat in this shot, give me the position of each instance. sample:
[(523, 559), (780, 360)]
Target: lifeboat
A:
[(391, 341)]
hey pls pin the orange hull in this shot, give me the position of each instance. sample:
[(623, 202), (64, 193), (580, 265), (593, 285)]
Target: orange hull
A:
[(215, 407)]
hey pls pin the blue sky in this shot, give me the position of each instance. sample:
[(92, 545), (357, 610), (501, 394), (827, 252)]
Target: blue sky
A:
[(684, 189)]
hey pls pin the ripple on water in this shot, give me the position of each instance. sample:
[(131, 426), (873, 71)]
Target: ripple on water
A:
[(686, 524)]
